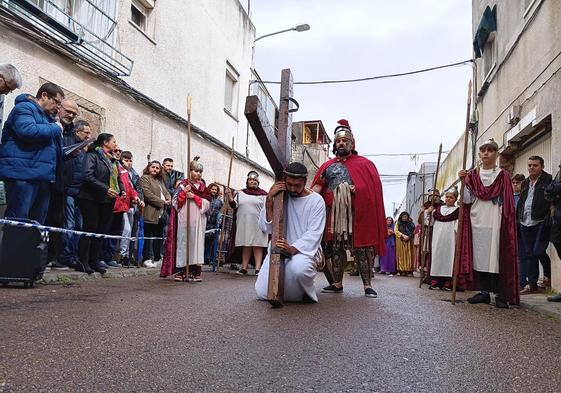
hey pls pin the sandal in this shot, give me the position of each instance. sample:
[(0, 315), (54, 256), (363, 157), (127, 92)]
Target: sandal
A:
[(179, 277)]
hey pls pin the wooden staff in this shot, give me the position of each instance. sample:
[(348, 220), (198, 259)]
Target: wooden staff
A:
[(188, 214), (461, 215), (423, 231), (225, 208), (427, 238)]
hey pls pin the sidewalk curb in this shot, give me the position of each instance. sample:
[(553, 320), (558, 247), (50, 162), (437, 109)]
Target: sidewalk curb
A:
[(542, 306), (70, 277)]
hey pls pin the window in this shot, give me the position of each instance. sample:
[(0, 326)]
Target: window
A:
[(489, 56), (231, 90), (139, 14)]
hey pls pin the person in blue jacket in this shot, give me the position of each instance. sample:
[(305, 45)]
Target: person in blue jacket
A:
[(30, 152)]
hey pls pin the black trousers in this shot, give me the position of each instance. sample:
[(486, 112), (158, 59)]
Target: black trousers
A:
[(55, 218), (488, 282), (97, 219), (152, 248)]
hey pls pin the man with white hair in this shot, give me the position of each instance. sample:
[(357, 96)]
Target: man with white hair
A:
[(10, 79)]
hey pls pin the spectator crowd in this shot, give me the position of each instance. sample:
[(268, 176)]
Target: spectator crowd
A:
[(56, 172)]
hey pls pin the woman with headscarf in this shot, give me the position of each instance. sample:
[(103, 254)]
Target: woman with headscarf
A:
[(387, 262), (404, 232), (186, 228), (249, 236)]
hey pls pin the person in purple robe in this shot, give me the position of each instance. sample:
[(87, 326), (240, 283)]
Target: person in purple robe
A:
[(387, 262)]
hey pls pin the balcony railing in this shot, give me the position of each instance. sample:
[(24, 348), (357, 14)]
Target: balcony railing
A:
[(87, 28)]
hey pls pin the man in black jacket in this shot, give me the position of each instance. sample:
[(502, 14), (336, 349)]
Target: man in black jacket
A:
[(171, 176), (171, 179), (73, 169), (67, 114), (531, 212)]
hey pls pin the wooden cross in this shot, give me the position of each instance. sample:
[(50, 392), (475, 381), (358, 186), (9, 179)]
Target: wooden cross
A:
[(277, 148)]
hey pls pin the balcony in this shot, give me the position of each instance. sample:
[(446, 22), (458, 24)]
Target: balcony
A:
[(85, 28)]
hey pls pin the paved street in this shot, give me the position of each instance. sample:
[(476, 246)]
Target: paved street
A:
[(144, 334)]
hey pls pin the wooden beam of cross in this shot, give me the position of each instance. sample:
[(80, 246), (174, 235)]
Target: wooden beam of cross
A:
[(277, 148)]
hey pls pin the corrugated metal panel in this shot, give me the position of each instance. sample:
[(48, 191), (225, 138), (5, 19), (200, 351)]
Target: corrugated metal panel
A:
[(541, 148)]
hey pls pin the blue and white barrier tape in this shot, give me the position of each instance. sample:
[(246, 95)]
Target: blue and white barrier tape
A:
[(14, 223)]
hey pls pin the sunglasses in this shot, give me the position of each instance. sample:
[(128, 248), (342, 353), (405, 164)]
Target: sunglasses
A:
[(117, 151)]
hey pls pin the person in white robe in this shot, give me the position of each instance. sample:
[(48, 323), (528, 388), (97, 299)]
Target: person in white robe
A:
[(489, 191), (190, 197), (249, 203), (443, 246), (304, 225)]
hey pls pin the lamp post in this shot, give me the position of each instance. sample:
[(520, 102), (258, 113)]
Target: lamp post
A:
[(298, 28)]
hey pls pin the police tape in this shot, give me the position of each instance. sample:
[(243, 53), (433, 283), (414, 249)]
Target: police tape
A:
[(45, 228)]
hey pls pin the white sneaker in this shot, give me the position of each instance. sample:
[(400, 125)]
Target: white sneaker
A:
[(148, 263), (157, 264)]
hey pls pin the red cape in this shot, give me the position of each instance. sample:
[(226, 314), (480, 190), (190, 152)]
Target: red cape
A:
[(508, 252), (168, 262), (369, 218)]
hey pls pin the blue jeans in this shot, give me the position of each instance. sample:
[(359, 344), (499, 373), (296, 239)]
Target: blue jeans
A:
[(72, 220), (535, 249), (211, 248), (28, 199)]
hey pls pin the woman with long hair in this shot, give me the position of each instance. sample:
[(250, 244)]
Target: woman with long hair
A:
[(387, 262), (404, 232), (156, 196), (101, 185)]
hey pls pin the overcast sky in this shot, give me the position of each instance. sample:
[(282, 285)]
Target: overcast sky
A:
[(360, 38)]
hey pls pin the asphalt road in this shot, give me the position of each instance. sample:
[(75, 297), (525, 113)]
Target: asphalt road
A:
[(146, 334)]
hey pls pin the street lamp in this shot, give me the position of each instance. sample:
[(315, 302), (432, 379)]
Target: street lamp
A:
[(298, 28)]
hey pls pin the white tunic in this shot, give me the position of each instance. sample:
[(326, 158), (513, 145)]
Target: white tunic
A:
[(443, 244), (247, 218), (485, 226), (197, 227), (305, 222)]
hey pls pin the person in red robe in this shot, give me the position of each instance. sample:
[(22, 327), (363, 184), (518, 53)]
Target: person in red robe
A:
[(489, 252), (356, 221)]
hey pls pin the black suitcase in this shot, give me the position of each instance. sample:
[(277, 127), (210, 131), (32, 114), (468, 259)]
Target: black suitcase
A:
[(23, 254)]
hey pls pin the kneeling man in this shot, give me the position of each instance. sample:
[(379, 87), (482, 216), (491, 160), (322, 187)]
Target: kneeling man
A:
[(304, 224)]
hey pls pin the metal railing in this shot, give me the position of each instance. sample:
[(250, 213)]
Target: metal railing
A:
[(85, 27)]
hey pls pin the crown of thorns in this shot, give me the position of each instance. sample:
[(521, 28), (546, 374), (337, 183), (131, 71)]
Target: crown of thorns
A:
[(296, 169)]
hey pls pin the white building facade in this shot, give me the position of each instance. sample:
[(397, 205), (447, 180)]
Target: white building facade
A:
[(517, 90), (130, 65)]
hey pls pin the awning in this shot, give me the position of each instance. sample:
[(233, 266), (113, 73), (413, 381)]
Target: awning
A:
[(487, 25)]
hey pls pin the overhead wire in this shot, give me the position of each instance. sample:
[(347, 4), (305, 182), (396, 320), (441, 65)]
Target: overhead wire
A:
[(370, 78)]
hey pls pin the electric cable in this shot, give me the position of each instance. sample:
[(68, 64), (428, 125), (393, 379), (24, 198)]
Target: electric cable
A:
[(369, 78)]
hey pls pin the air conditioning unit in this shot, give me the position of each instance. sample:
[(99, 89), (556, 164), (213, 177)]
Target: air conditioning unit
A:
[(513, 115)]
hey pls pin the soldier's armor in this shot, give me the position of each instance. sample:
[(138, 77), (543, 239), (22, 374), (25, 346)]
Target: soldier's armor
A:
[(335, 174)]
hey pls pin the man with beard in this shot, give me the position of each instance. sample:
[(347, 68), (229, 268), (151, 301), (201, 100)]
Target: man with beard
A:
[(352, 190), (305, 222), (72, 174), (57, 206)]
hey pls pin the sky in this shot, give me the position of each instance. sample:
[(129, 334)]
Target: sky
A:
[(362, 38)]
